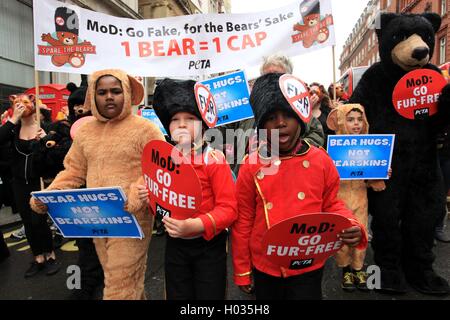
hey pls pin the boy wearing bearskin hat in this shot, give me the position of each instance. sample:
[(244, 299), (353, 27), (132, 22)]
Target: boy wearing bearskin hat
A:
[(195, 258), (306, 181)]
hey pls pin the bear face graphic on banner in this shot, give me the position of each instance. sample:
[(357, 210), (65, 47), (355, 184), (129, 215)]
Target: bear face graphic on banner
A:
[(65, 45), (314, 29)]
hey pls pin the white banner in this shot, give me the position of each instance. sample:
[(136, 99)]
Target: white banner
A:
[(75, 40)]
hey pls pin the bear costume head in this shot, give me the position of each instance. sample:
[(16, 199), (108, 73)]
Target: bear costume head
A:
[(406, 42), (66, 25), (77, 108), (173, 96), (266, 97), (27, 100)]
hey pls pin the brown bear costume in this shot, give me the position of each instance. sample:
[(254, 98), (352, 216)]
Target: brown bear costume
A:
[(107, 152)]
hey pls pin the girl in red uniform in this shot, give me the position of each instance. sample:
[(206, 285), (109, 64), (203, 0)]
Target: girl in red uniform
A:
[(195, 259), (306, 182)]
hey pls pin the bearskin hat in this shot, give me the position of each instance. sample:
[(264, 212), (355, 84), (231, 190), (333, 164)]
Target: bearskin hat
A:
[(266, 98), (66, 20), (172, 96), (309, 7)]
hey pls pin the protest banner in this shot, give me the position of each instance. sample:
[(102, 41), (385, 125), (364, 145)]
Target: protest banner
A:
[(417, 93), (362, 156), (305, 240), (90, 213), (71, 39), (150, 114), (232, 97), (174, 186)]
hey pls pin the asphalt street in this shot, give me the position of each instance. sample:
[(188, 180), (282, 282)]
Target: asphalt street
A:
[(13, 285)]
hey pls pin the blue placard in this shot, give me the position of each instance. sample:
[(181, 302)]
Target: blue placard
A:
[(150, 114), (90, 213), (232, 97), (361, 156)]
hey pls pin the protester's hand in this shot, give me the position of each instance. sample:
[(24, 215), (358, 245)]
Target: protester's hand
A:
[(40, 206), (18, 111), (183, 228), (351, 236), (389, 172), (377, 185), (248, 288), (40, 134), (314, 100), (143, 193)]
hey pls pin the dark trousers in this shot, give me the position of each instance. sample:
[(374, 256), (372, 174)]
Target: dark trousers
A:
[(91, 270), (196, 269), (307, 286), (38, 232), (6, 193)]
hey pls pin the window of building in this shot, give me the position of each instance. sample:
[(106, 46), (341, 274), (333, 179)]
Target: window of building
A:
[(442, 47), (443, 7)]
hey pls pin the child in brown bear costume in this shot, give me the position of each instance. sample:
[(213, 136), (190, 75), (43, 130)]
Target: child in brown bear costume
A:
[(107, 152), (351, 119)]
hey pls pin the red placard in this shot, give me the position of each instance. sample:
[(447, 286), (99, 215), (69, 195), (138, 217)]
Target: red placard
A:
[(77, 125), (305, 240), (174, 186), (297, 94), (206, 105), (416, 95)]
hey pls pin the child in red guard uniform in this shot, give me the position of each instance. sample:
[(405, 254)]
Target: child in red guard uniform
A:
[(306, 182), (195, 259)]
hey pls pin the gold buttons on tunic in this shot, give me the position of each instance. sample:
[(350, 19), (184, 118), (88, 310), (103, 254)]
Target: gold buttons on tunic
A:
[(301, 195), (306, 163), (269, 205), (260, 175)]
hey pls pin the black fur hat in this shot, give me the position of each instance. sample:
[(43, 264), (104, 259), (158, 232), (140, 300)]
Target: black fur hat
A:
[(266, 97), (172, 96), (66, 20), (77, 96), (308, 7)]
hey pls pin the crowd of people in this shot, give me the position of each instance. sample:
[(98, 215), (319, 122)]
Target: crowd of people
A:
[(196, 248)]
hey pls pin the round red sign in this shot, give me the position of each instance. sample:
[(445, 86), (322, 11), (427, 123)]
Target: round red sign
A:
[(174, 186), (296, 93), (417, 93), (206, 104), (305, 240)]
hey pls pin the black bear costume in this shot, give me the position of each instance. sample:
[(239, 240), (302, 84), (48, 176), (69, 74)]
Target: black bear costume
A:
[(406, 213)]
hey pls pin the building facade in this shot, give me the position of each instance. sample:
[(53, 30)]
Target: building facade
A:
[(361, 47)]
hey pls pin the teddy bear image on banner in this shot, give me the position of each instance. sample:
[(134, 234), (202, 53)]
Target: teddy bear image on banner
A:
[(67, 27)]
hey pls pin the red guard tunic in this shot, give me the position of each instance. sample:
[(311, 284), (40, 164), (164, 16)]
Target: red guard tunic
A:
[(306, 182), (218, 210)]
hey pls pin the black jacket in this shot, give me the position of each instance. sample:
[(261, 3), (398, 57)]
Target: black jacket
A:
[(23, 165)]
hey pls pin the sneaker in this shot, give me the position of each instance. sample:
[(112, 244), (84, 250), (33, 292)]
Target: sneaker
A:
[(348, 282), (34, 269), (361, 280), (52, 266), (19, 234)]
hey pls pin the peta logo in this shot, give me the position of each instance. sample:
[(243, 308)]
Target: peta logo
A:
[(199, 64)]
